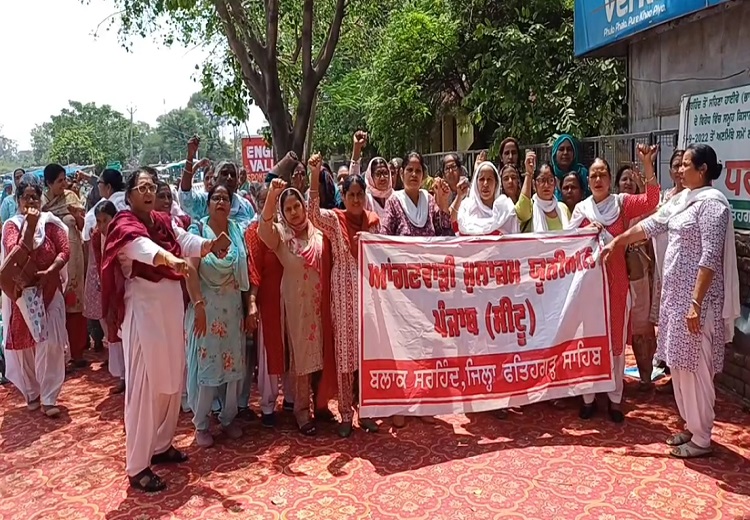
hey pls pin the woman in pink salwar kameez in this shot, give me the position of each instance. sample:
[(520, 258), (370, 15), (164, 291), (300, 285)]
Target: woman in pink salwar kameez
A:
[(611, 213)]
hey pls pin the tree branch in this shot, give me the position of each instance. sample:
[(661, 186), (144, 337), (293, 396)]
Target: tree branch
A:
[(332, 39), (252, 42), (272, 28), (253, 79), (307, 37)]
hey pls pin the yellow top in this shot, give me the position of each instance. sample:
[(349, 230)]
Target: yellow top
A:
[(525, 210)]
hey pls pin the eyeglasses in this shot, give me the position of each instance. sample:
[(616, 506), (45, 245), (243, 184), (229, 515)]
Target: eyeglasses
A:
[(548, 181), (381, 174), (220, 198), (145, 188), (451, 168)]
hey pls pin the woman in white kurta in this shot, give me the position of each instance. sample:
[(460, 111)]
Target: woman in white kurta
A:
[(141, 272)]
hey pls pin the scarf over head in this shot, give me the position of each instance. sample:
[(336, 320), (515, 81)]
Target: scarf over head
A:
[(542, 207), (124, 228), (309, 246), (679, 203), (575, 166), (475, 218)]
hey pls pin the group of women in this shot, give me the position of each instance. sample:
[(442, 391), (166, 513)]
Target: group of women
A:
[(285, 276)]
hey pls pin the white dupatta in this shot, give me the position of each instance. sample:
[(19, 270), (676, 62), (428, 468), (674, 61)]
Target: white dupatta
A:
[(417, 214), (605, 213), (542, 207), (731, 307), (475, 218), (40, 235)]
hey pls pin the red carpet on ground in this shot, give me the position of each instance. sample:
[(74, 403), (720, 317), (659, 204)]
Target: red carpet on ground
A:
[(541, 463)]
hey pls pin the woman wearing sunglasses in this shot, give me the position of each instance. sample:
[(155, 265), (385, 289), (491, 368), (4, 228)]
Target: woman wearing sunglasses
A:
[(142, 266)]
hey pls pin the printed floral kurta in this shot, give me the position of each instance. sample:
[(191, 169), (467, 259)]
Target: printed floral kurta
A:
[(633, 206), (301, 295), (344, 305), (219, 356), (396, 223), (695, 239)]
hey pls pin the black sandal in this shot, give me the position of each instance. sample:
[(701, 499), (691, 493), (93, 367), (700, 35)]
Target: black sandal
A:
[(171, 456), (324, 415), (308, 429), (147, 481)]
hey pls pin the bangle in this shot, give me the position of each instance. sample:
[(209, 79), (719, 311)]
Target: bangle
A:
[(269, 219), (695, 302), (651, 179), (199, 302)]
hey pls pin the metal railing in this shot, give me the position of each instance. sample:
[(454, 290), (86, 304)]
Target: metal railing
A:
[(618, 150)]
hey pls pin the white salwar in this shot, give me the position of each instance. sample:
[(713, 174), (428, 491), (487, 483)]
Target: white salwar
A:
[(116, 355), (154, 348), (268, 384), (38, 372), (694, 392)]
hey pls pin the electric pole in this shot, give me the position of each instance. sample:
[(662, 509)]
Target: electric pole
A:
[(131, 110)]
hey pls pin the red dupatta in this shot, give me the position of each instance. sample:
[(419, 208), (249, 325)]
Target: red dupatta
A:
[(351, 227), (124, 228)]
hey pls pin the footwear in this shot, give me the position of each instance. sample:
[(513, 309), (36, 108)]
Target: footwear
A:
[(644, 386), (147, 481), (80, 363), (204, 439), (587, 411), (287, 406), (501, 414), (51, 411), (233, 431), (118, 389), (679, 439), (615, 415), (268, 420), (171, 456), (34, 405), (368, 425), (247, 414), (399, 421), (308, 429), (324, 415), (689, 451), (345, 430)]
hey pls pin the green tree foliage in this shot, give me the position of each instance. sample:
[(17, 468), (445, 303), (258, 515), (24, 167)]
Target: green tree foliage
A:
[(168, 141), (525, 80), (84, 133), (509, 65)]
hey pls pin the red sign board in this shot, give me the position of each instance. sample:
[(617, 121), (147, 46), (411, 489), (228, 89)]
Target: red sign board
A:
[(257, 158)]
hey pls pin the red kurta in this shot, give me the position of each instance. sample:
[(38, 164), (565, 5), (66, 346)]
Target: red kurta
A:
[(55, 243), (633, 206), (265, 273)]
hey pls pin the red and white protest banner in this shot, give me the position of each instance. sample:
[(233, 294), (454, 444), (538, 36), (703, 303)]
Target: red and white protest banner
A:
[(470, 324), (257, 158)]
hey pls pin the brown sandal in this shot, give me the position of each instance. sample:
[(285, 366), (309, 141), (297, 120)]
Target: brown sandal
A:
[(147, 481)]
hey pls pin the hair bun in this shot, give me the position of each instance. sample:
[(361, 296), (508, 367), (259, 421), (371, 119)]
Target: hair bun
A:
[(716, 171)]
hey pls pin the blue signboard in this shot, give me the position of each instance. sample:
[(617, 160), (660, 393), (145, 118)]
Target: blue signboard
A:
[(599, 23)]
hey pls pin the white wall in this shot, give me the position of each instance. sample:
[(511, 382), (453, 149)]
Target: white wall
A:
[(690, 57)]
